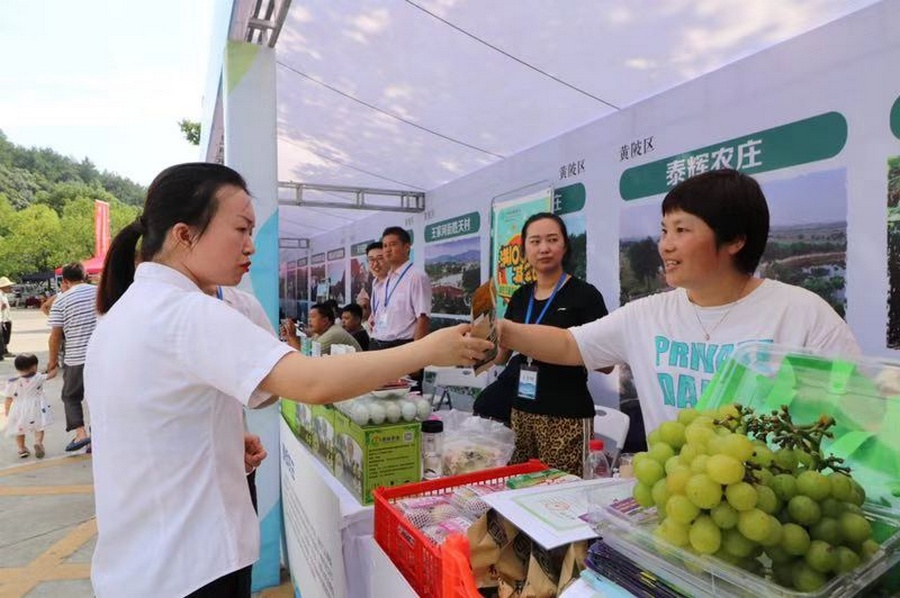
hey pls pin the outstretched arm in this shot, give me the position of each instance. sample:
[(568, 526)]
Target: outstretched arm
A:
[(327, 379), (544, 343)]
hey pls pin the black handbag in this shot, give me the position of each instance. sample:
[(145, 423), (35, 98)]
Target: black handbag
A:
[(496, 400)]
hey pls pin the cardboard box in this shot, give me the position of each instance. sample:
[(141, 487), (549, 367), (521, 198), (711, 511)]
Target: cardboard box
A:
[(322, 442), (299, 418), (289, 414), (372, 456)]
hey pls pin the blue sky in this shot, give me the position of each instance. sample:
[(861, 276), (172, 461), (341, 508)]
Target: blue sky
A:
[(103, 79)]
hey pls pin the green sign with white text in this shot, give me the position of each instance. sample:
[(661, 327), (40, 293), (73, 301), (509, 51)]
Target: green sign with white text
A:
[(809, 140), (895, 118), (466, 224), (568, 199)]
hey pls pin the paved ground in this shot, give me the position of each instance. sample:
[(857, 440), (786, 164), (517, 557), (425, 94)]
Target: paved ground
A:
[(47, 506)]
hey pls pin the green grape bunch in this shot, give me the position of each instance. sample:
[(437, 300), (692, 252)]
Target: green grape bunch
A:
[(756, 492)]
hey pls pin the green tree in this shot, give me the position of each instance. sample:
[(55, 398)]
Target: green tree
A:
[(33, 243), (644, 258), (20, 185), (191, 130), (26, 171), (77, 229), (126, 190), (121, 215), (63, 193), (8, 216)]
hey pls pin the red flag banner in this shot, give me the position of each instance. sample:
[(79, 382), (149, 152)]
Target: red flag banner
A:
[(101, 228)]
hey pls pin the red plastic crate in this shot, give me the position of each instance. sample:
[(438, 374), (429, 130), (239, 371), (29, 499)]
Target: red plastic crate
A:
[(417, 557)]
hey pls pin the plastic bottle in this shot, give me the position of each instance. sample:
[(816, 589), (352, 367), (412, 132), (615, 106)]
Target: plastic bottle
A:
[(598, 464), (432, 449)]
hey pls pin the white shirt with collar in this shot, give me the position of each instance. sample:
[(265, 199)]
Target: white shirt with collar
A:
[(405, 295), (168, 372), (374, 302)]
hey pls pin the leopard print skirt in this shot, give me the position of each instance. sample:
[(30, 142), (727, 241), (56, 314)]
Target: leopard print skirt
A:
[(560, 442)]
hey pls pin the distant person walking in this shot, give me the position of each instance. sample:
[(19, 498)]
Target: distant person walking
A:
[(6, 286), (73, 317), (26, 405)]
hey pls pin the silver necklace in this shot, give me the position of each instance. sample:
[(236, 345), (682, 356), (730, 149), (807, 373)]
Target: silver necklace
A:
[(708, 333)]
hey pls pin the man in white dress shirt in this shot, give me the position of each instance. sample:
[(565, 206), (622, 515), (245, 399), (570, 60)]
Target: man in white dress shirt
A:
[(402, 306)]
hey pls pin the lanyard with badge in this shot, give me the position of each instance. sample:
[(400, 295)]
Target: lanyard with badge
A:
[(528, 374), (381, 322)]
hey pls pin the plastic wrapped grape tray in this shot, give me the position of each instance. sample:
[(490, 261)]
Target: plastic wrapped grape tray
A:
[(862, 395)]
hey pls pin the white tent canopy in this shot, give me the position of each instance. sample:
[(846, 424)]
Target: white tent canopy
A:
[(412, 94)]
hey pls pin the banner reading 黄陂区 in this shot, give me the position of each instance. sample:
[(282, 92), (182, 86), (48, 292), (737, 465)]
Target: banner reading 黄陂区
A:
[(510, 269)]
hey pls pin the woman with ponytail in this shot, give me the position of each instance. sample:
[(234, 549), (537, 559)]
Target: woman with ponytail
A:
[(169, 370)]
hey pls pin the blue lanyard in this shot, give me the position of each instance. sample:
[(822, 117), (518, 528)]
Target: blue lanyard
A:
[(559, 283), (387, 283), (219, 293)]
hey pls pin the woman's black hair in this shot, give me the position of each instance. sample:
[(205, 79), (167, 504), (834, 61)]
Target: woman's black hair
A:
[(732, 204), (562, 228), (181, 193)]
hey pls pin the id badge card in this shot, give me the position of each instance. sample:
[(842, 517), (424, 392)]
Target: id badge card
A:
[(381, 322), (528, 376)]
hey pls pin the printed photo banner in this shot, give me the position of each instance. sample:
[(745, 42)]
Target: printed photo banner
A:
[(453, 263), (508, 264), (336, 272), (359, 269)]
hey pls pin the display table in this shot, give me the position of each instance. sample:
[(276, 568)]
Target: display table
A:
[(327, 531), (331, 551)]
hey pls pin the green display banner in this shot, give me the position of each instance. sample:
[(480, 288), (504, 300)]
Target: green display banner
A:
[(358, 249), (466, 224), (809, 140), (568, 199), (508, 263), (895, 118)]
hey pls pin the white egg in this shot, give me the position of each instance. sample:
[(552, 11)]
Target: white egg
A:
[(423, 408), (360, 414), (392, 412), (377, 413), (408, 410)]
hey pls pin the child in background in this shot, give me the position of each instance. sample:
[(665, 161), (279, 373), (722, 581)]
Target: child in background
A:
[(26, 405)]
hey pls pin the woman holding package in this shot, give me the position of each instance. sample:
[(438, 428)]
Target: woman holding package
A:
[(714, 230), (552, 410), (168, 372)]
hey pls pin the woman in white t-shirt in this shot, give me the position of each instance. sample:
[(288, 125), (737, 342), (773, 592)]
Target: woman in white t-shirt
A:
[(714, 230), (167, 374)]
